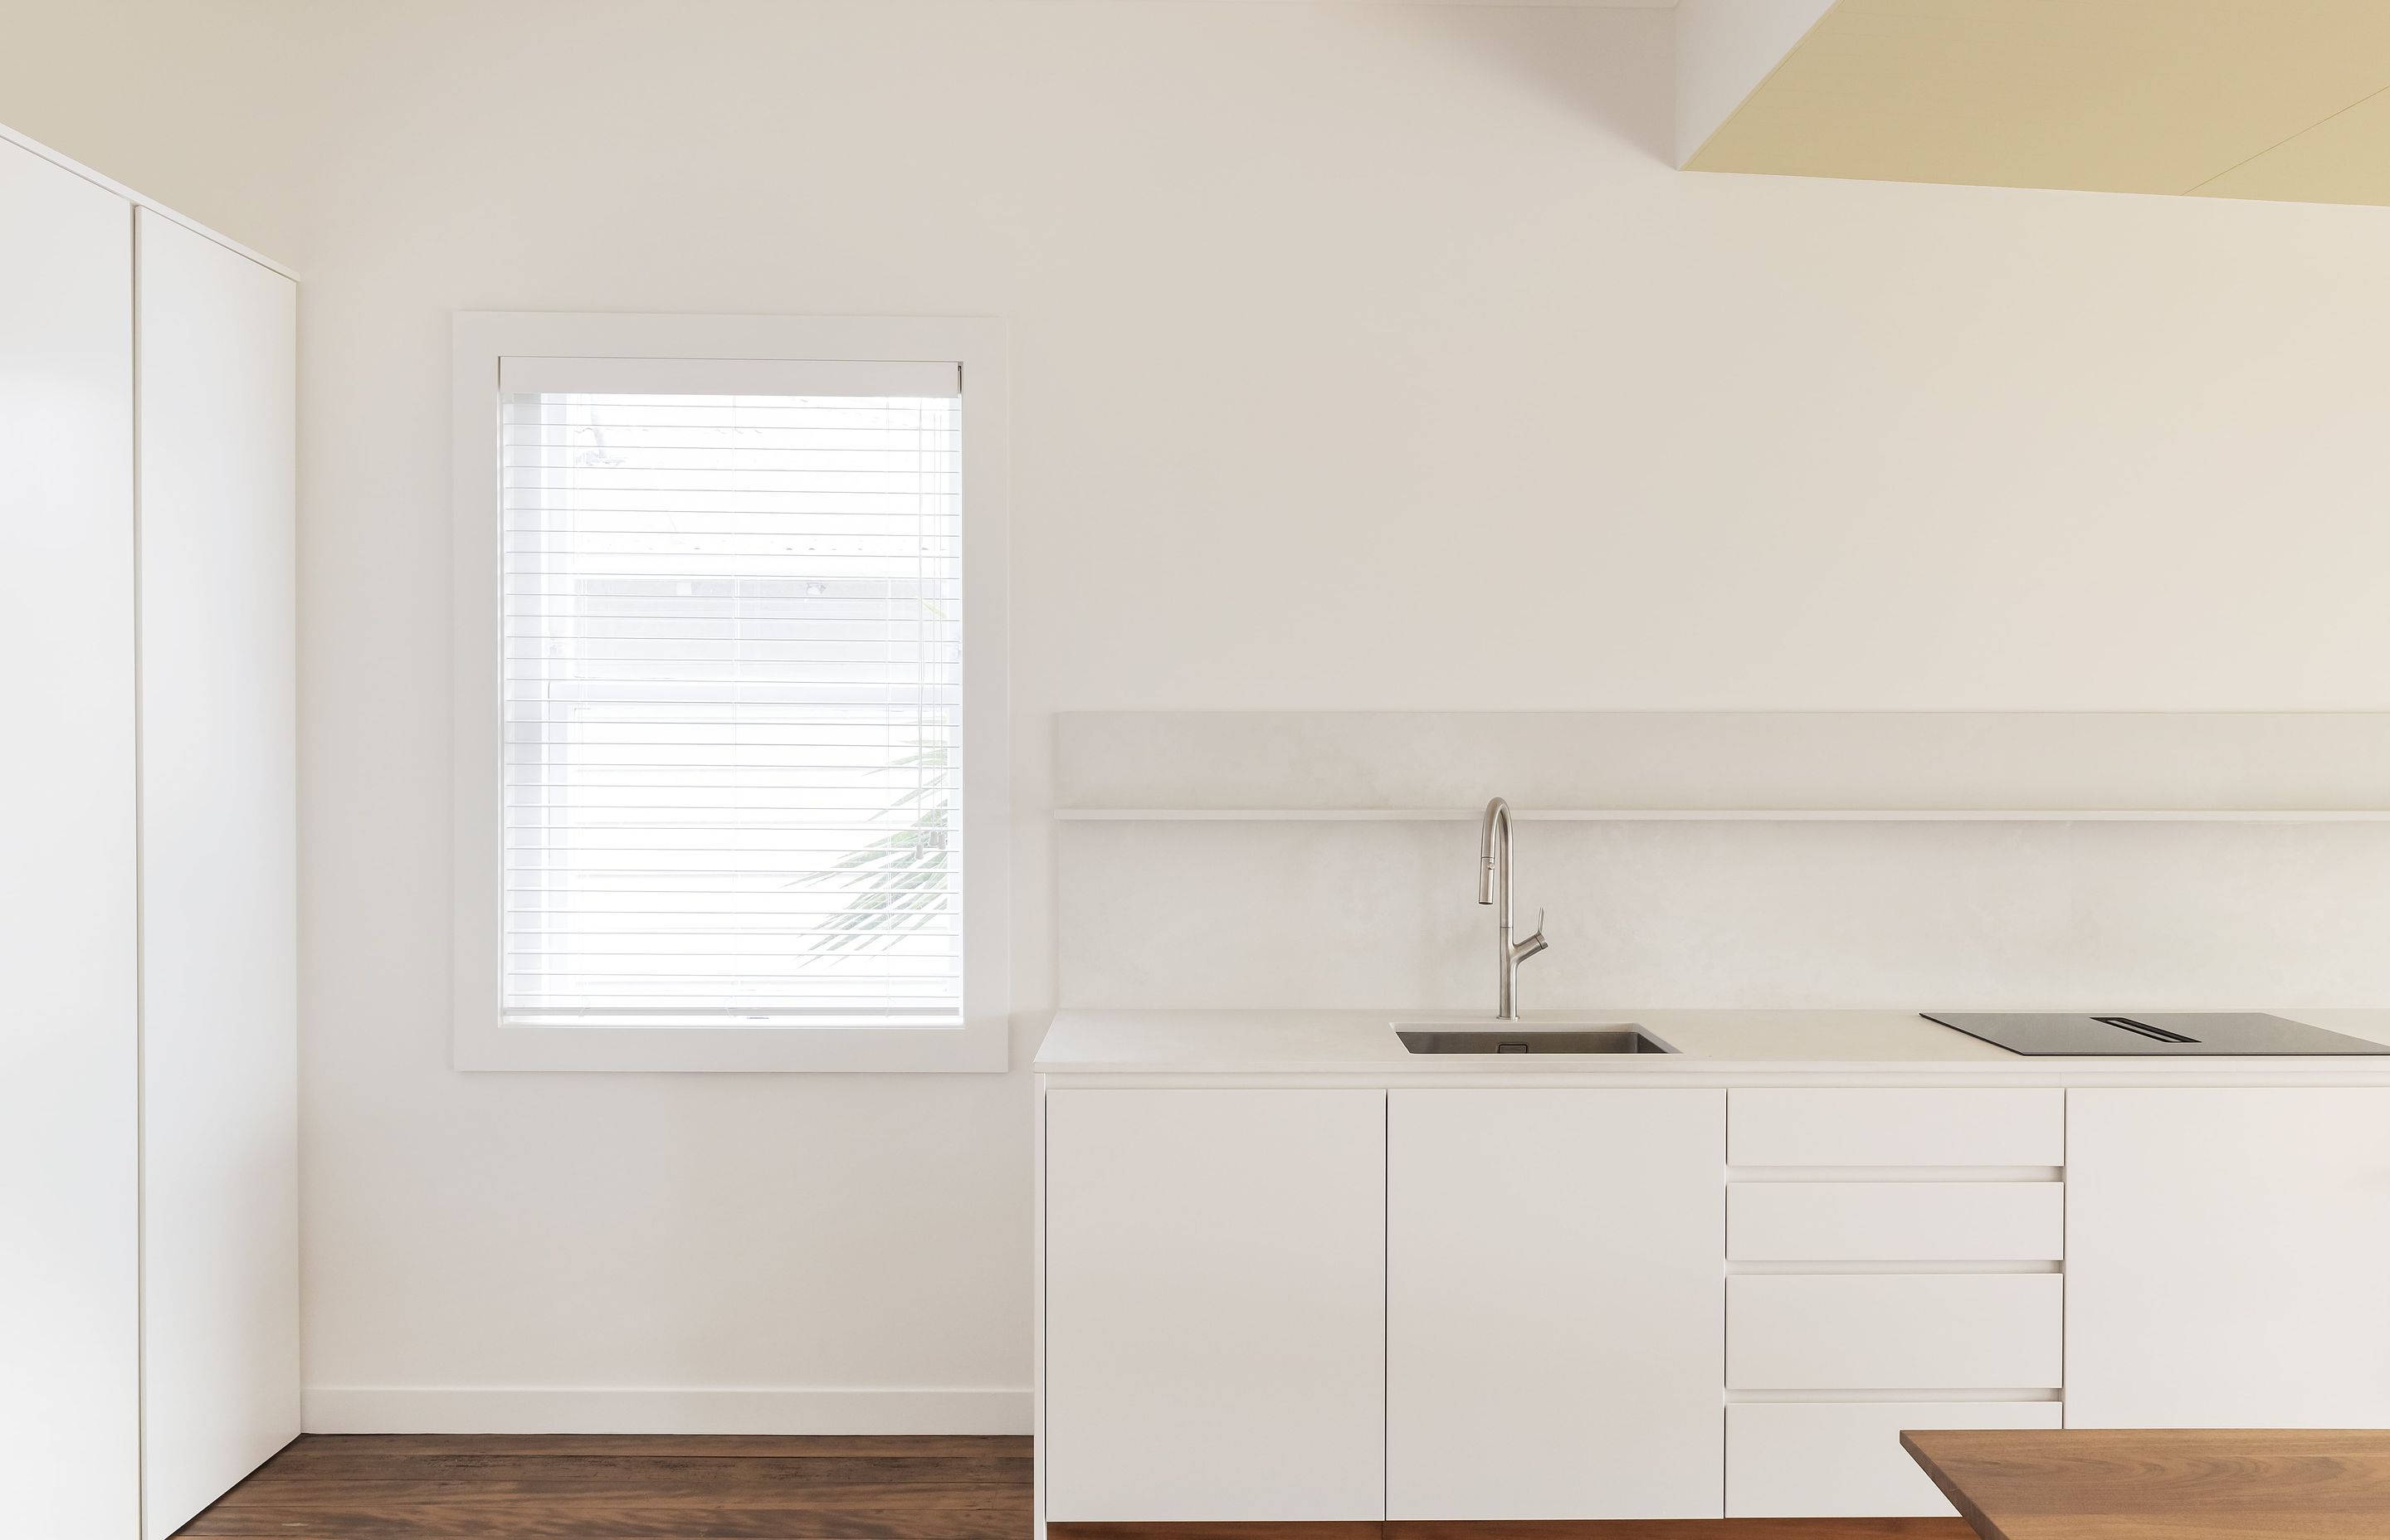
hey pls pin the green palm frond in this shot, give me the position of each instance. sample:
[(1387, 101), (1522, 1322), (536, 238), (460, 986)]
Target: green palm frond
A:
[(896, 885)]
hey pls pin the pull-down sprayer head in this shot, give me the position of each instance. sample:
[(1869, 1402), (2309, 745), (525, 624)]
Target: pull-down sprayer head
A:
[(1488, 852)]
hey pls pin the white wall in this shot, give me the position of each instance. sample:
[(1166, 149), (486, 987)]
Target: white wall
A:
[(1366, 355), (1725, 49)]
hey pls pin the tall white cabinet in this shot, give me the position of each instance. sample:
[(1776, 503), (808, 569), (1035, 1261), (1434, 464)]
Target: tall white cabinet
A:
[(70, 1086), (216, 340), (149, 1255)]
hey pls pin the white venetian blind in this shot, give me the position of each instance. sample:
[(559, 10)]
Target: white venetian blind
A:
[(732, 690)]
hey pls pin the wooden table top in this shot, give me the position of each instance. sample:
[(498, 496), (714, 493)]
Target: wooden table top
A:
[(2131, 1484)]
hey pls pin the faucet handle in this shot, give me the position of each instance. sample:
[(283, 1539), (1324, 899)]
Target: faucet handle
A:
[(1533, 945)]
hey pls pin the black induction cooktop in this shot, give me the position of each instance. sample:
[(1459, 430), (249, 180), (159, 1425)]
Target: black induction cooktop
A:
[(2063, 1035)]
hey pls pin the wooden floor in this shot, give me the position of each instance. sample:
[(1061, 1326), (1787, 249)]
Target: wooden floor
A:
[(388, 1487), (607, 1488)]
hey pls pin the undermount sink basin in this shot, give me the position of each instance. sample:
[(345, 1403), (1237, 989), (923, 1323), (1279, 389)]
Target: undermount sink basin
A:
[(1542, 1039)]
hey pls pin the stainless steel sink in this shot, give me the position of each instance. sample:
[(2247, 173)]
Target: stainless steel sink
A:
[(1624, 1038)]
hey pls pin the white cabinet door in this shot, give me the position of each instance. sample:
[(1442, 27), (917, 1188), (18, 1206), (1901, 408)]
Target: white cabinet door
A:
[(70, 1355), (1214, 1306), (2227, 1258), (1555, 1316), (219, 1043)]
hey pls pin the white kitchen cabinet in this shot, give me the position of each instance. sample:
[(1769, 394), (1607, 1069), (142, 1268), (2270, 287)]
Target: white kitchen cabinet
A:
[(1843, 1460), (2228, 1258), (1878, 1221), (1214, 1304), (1916, 1127), (1474, 1301), (1553, 1338), (219, 879), (148, 1273), (1935, 1331), (70, 1131), (1892, 1252)]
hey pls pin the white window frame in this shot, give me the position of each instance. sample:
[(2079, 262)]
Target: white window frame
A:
[(483, 1039)]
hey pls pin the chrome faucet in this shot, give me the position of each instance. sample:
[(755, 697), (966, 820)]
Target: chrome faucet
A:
[(1493, 869)]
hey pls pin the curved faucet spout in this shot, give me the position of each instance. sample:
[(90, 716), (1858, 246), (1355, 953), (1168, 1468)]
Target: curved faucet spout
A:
[(1494, 873)]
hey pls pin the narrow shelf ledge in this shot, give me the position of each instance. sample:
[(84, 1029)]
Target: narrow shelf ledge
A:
[(1728, 815)]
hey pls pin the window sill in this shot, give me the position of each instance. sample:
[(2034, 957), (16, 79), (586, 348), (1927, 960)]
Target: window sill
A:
[(665, 1044)]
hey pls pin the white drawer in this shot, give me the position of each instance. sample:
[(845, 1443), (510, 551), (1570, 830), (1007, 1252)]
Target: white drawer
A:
[(1843, 1459), (1895, 1128), (1937, 1331), (1896, 1221)]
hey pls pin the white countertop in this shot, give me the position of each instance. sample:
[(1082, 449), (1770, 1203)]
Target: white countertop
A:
[(1713, 1047)]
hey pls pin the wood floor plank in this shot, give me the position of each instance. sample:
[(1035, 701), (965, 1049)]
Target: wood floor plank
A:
[(603, 1495), (602, 1487), (625, 1522), (604, 1477), (405, 1522)]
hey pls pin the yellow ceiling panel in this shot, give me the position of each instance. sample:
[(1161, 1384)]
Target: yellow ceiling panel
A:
[(2345, 159), (2119, 96)]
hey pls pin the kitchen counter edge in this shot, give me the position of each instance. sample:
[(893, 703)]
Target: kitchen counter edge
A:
[(1714, 1047)]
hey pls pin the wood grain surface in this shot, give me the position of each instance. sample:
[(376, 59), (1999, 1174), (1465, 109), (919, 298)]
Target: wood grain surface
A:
[(574, 1487), (2100, 1483), (616, 1488)]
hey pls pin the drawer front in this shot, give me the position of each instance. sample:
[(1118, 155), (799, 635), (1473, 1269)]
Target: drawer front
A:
[(1896, 1222), (1803, 1461), (1895, 1128), (1888, 1332)]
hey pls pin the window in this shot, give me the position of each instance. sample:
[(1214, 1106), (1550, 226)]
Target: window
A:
[(734, 618), (733, 714)]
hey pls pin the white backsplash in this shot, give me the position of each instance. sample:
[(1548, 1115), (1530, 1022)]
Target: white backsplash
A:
[(1904, 914)]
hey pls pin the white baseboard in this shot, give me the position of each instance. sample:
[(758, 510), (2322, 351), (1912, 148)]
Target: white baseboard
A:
[(520, 1409)]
